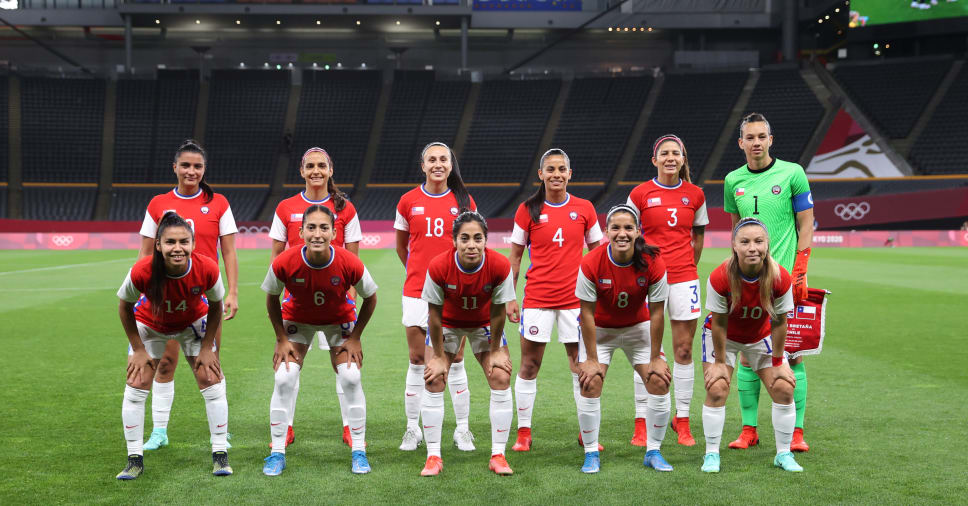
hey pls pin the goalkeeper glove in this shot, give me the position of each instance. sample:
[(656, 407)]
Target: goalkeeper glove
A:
[(800, 275)]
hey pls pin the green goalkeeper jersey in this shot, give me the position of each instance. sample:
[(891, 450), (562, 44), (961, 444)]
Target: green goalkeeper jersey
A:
[(773, 195)]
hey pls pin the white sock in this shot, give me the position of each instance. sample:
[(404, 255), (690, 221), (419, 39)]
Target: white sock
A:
[(641, 395), (432, 412), (162, 396), (784, 418), (502, 411), (411, 400), (291, 407), (684, 377), (713, 420), (133, 418), (349, 379), (342, 402), (460, 395), (283, 393), (524, 393), (575, 389), (589, 421), (657, 413), (217, 409)]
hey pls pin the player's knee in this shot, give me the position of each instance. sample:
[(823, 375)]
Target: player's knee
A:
[(529, 367), (435, 385), (718, 391), (349, 376), (417, 356), (782, 391), (656, 385), (166, 368), (286, 380), (684, 353), (593, 388), (499, 379)]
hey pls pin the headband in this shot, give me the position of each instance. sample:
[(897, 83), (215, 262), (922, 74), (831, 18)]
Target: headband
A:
[(315, 150), (623, 208), (432, 144), (555, 151), (669, 137), (750, 221)]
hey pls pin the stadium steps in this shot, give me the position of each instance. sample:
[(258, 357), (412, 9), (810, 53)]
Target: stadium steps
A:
[(543, 145), (376, 133), (903, 146), (831, 105), (728, 135), (277, 190), (102, 205), (15, 168), (635, 138), (464, 128), (862, 119)]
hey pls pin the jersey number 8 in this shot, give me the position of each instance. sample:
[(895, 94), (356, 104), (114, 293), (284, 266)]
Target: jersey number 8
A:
[(623, 299)]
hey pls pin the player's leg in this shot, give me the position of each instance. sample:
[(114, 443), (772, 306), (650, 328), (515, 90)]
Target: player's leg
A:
[(748, 386), (800, 400), (163, 395), (714, 406), (460, 398), (501, 404), (784, 412), (218, 354), (213, 393), (589, 405), (284, 390), (535, 330), (136, 392), (432, 406), (637, 347), (415, 324), (350, 379)]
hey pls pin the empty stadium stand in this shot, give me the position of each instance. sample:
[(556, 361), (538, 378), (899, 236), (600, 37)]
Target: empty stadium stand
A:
[(941, 148), (129, 204), (4, 131), (60, 204), (62, 127), (3, 202), (379, 203)]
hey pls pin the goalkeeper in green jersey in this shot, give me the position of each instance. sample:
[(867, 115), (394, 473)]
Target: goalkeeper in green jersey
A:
[(777, 193)]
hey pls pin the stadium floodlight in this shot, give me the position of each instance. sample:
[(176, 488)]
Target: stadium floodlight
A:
[(357, 22), (437, 23), (326, 67), (278, 67), (238, 21), (157, 21), (820, 20), (278, 21), (318, 22), (610, 28), (363, 65), (876, 45), (198, 21), (241, 65), (398, 22), (827, 16), (837, 9), (339, 65)]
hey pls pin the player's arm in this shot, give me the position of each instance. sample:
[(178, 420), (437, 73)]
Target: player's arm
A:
[(497, 357), (778, 331), (366, 287), (512, 309), (231, 260), (698, 236), (733, 219), (403, 237), (284, 352), (147, 247), (437, 365), (590, 367), (803, 205), (717, 370), (206, 359), (277, 248), (140, 366)]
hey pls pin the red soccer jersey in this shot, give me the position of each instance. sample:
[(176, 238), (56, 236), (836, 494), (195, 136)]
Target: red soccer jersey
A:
[(182, 302), (288, 219), (748, 322), (619, 291), (467, 296), (668, 214), (210, 220), (555, 244), (317, 293), (429, 219)]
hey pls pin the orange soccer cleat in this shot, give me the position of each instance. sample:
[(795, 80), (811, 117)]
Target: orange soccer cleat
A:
[(746, 438), (641, 436), (290, 437), (798, 444), (681, 427), (582, 443), (433, 467), (523, 444), (499, 465)]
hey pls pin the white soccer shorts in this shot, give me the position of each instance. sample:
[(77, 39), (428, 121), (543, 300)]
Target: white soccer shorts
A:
[(634, 340), (537, 324), (189, 338), (758, 354), (479, 339), (414, 312), (331, 335), (683, 302)]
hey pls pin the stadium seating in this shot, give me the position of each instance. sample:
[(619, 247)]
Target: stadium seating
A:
[(379, 203), (60, 204), (129, 204), (509, 121), (62, 124), (941, 148), (690, 107), (246, 202), (244, 129), (443, 112), (3, 202), (4, 132), (492, 200), (792, 110), (336, 111), (619, 195), (154, 117), (599, 115), (893, 95)]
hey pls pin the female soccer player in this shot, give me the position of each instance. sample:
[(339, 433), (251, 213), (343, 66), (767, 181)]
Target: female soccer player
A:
[(318, 278), (424, 215), (466, 289), (175, 283), (555, 226), (211, 219), (748, 297), (317, 169), (613, 285), (673, 212)]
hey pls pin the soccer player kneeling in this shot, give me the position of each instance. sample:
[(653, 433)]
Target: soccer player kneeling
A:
[(318, 277)]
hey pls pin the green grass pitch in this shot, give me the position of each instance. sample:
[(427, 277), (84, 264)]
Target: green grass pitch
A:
[(880, 12), (885, 419)]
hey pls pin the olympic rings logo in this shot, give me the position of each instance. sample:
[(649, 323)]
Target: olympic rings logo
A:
[(370, 240), (254, 229), (852, 211), (62, 240)]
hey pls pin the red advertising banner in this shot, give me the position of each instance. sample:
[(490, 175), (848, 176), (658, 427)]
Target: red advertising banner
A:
[(892, 208)]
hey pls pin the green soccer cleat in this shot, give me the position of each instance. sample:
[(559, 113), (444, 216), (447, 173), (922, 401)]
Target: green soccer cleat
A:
[(220, 462), (710, 463), (786, 462), (158, 439), (134, 468)]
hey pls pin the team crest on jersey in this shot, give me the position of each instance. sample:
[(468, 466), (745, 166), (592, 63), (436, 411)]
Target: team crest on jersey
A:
[(641, 281), (205, 209), (533, 330), (776, 189), (196, 290), (685, 201), (573, 215), (291, 329), (334, 280), (487, 288), (453, 211)]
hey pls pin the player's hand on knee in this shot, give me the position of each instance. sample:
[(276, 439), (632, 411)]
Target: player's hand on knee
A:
[(784, 373), (436, 368), (283, 354), (587, 371), (354, 351), (207, 363), (138, 365), (500, 360), (715, 372), (659, 371)]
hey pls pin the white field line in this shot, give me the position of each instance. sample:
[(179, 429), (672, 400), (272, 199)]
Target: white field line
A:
[(67, 266)]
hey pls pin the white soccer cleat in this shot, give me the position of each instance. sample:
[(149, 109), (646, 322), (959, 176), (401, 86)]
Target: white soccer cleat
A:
[(464, 440), (411, 439)]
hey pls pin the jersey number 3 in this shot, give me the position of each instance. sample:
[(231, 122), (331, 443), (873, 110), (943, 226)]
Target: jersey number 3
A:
[(674, 219)]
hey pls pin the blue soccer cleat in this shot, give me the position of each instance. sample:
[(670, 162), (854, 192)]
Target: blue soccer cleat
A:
[(593, 463), (786, 462), (710, 463), (360, 464), (134, 468), (654, 460), (158, 438), (275, 463)]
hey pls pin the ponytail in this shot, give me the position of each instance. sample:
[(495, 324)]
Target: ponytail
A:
[(640, 248), (684, 170), (190, 146), (156, 283), (454, 181), (339, 198)]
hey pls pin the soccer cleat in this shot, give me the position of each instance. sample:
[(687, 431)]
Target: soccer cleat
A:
[(582, 443), (499, 465), (411, 439), (158, 438), (134, 468), (746, 438), (798, 444), (220, 464), (654, 460), (464, 440), (640, 436), (433, 467), (360, 464), (681, 427), (290, 437), (593, 463), (274, 465), (786, 462), (710, 463), (523, 444)]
